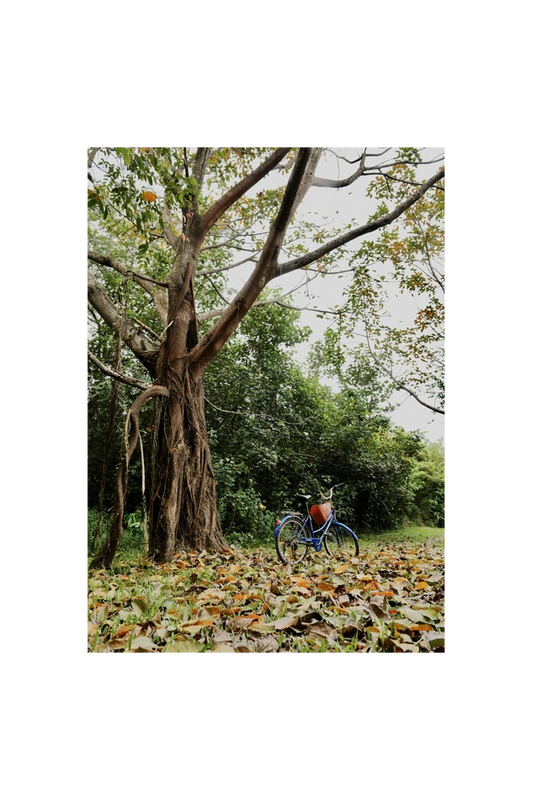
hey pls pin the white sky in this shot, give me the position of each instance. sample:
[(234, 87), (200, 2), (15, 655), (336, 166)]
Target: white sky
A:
[(339, 206)]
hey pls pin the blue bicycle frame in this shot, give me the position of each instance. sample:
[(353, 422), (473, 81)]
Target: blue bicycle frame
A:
[(315, 540), (296, 532)]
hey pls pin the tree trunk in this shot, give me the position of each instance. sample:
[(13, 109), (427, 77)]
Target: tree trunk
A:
[(183, 502)]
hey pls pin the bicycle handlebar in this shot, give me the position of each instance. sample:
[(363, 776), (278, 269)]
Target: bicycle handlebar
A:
[(330, 495)]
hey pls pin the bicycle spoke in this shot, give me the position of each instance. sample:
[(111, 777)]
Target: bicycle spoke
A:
[(341, 542), (290, 544)]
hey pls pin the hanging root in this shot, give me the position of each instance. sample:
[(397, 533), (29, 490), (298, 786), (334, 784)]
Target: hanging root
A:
[(106, 554)]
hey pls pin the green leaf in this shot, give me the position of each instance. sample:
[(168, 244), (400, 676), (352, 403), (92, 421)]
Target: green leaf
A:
[(410, 613), (435, 639)]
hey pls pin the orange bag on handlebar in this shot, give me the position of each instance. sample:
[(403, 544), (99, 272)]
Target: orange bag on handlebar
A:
[(320, 513)]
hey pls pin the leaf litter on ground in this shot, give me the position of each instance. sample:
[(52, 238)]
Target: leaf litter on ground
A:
[(388, 599)]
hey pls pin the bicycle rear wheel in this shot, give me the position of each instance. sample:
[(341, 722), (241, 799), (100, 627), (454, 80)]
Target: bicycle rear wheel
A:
[(290, 546), (341, 542)]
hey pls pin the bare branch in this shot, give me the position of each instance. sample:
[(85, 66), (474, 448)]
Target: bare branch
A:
[(309, 176), (139, 344), (215, 271), (168, 231), (392, 376), (349, 236), (118, 376), (273, 301), (159, 298), (251, 414), (403, 387), (340, 184), (107, 261), (200, 163), (92, 156)]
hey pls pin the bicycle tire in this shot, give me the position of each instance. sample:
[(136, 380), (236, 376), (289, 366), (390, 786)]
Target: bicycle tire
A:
[(289, 545), (341, 542)]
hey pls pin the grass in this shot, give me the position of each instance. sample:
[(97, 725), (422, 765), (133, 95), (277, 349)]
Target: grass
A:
[(130, 551), (409, 533)]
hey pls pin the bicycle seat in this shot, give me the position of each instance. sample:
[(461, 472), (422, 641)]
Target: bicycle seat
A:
[(305, 497)]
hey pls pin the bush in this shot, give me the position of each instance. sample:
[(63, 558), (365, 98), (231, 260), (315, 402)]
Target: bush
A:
[(244, 518), (94, 538), (132, 540)]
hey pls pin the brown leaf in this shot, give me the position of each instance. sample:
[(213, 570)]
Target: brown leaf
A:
[(342, 568), (242, 648), (143, 644), (196, 625), (286, 622), (211, 594), (222, 647), (184, 646)]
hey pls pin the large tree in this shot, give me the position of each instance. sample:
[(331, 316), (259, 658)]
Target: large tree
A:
[(179, 215)]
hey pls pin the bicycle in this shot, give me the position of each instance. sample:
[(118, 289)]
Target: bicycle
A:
[(295, 533)]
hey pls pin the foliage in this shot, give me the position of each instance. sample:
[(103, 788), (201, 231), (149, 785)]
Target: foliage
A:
[(427, 481), (276, 432), (405, 260), (389, 599), (283, 433), (132, 540)]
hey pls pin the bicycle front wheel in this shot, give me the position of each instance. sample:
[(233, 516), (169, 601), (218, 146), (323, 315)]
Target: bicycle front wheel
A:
[(290, 544), (340, 542)]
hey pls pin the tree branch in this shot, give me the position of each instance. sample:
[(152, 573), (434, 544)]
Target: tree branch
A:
[(309, 177), (273, 301), (232, 195), (139, 344), (92, 156), (213, 341), (107, 261), (118, 376), (251, 414), (340, 184), (403, 387), (168, 232), (200, 163), (349, 236), (159, 298), (395, 380)]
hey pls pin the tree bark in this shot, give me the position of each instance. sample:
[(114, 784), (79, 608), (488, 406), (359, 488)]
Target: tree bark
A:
[(182, 499)]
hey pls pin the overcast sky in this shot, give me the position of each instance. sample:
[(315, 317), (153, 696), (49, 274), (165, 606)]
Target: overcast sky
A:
[(340, 206)]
